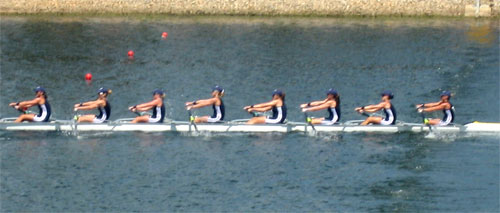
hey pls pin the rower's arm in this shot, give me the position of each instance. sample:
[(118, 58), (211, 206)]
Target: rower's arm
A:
[(29, 103), (313, 103), (147, 106), (432, 104), (434, 108), (374, 108), (322, 106), (267, 104), (203, 103), (260, 109), (90, 105), (86, 103)]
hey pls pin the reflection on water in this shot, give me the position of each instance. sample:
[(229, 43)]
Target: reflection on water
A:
[(482, 33)]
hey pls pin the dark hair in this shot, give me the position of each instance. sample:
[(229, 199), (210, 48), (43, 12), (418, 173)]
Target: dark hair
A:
[(221, 93), (282, 96), (391, 96)]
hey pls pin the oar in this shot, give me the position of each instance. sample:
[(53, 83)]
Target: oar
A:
[(365, 114), (76, 116), (141, 113), (75, 122), (20, 110), (257, 114), (253, 114), (191, 120), (23, 111), (424, 120), (309, 121)]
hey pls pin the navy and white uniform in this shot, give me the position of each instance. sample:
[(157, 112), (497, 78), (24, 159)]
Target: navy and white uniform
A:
[(390, 116), (333, 115), (279, 115), (158, 114), (448, 118), (104, 113), (219, 113), (44, 112)]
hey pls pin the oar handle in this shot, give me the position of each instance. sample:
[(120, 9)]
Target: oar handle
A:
[(140, 113), (254, 114), (362, 113), (20, 110)]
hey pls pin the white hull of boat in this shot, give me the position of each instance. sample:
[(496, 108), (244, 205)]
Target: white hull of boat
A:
[(179, 126)]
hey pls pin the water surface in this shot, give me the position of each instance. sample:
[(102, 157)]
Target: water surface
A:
[(416, 58)]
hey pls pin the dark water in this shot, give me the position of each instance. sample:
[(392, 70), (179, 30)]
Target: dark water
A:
[(415, 58)]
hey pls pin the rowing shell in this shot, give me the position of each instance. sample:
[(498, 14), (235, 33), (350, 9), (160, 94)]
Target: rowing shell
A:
[(182, 126)]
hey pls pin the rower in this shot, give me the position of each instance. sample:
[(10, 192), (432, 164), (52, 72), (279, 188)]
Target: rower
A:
[(41, 101), (385, 105), (156, 104), (443, 104), (100, 104), (215, 102), (331, 104), (277, 105)]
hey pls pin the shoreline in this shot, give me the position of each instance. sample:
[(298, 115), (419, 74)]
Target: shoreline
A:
[(315, 8)]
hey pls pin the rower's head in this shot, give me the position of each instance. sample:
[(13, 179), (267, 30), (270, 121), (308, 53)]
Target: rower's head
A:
[(445, 95), (387, 95), (103, 92), (40, 91), (332, 93), (158, 93), (278, 94), (217, 91)]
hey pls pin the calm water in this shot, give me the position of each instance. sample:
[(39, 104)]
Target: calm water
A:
[(415, 58)]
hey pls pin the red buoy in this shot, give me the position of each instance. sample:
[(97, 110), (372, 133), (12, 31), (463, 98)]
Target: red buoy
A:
[(130, 53), (88, 76), (164, 35)]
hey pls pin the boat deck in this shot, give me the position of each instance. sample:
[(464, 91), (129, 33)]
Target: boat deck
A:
[(238, 126)]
